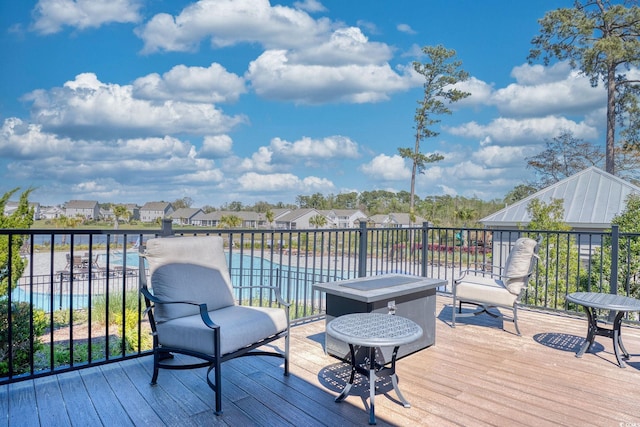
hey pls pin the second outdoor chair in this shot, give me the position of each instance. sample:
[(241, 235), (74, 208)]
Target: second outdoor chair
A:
[(487, 290), (193, 311)]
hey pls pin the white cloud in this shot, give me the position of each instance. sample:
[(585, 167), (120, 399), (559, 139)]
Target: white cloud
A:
[(260, 161), (38, 155), (507, 131), (283, 182), (481, 92), (314, 149), (536, 74), (406, 28), (191, 84), (216, 146), (273, 77), (310, 6), (88, 108), (306, 61), (51, 15), (571, 95), (345, 46), (386, 168), (230, 22), (495, 156)]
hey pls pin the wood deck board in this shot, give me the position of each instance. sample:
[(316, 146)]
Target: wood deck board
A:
[(475, 374)]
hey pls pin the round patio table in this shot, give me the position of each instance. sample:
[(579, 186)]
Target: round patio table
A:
[(371, 330), (618, 304)]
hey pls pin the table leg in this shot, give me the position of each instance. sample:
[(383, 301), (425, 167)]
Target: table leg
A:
[(372, 384), (592, 328), (617, 340), (347, 388), (394, 379)]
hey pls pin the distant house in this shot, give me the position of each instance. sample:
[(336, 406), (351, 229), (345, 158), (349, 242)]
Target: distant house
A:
[(344, 218), (152, 211), (184, 216), (51, 212), (11, 207), (591, 198), (88, 209), (298, 219), (395, 220), (213, 219)]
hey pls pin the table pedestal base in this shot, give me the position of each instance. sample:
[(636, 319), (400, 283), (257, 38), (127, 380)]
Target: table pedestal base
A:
[(371, 372), (614, 333)]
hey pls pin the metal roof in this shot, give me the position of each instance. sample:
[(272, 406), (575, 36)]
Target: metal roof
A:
[(591, 197)]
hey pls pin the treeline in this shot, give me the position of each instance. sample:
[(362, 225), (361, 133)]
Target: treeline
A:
[(443, 211)]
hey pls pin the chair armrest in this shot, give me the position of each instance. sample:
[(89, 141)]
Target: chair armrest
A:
[(482, 273), (204, 312), (275, 289)]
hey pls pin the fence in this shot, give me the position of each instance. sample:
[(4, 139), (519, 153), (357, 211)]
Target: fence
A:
[(65, 315)]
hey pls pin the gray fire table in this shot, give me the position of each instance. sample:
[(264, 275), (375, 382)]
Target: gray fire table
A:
[(618, 304), (371, 331), (413, 297)]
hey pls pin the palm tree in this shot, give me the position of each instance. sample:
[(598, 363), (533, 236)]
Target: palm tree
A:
[(230, 221), (318, 221), (270, 217)]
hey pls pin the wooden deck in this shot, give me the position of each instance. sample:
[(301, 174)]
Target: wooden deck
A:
[(476, 374)]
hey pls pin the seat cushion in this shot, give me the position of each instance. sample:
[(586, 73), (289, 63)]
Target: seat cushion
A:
[(188, 269), (240, 326), (484, 290)]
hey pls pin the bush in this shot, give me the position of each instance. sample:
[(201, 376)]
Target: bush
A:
[(21, 338)]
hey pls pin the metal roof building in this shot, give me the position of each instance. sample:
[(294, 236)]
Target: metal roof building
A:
[(591, 197)]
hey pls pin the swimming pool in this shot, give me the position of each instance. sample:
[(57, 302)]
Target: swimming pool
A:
[(245, 270)]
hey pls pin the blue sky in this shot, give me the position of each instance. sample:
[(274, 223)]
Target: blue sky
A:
[(250, 100)]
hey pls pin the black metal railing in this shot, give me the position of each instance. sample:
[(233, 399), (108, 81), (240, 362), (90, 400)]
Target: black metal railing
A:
[(76, 302)]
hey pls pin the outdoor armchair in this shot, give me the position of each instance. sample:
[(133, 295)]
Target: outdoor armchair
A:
[(193, 311), (486, 289)]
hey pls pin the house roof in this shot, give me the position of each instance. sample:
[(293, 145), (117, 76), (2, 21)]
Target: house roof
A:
[(591, 198), (155, 206), (81, 204), (396, 218), (185, 212), (292, 216)]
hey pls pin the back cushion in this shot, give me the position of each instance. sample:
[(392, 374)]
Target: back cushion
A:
[(188, 269), (518, 264)]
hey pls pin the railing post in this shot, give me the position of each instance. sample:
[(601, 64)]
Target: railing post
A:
[(424, 250), (615, 237), (167, 229), (362, 250)]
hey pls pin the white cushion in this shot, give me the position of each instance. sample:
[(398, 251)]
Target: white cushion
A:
[(188, 269), (240, 326), (484, 290), (518, 264)]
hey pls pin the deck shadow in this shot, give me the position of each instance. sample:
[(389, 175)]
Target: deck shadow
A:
[(565, 342)]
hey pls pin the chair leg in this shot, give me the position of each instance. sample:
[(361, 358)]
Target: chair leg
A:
[(453, 312), (218, 390), (286, 353), (515, 319)]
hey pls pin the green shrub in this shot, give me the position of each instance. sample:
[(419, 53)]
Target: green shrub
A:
[(21, 337)]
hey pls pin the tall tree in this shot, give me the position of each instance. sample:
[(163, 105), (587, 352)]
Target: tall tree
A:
[(120, 211), (559, 278), (601, 39), (563, 156), (441, 72), (519, 192), (185, 202)]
